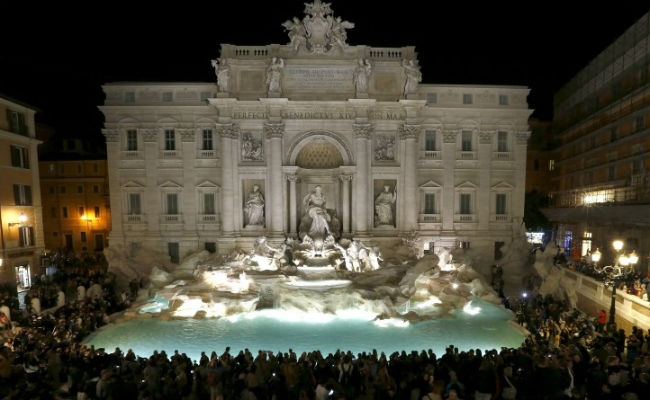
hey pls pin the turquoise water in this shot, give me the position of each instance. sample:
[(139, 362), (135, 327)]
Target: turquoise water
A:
[(487, 330)]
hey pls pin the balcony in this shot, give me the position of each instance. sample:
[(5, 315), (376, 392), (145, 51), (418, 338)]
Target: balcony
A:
[(208, 218), (500, 218), (133, 218), (429, 218), (171, 218), (206, 154), (169, 154), (131, 155), (431, 155), (466, 155), (464, 218), (501, 156)]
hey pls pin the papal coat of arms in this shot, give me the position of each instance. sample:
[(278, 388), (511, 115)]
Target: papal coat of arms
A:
[(319, 31)]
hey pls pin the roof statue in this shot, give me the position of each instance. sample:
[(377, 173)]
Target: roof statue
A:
[(319, 31)]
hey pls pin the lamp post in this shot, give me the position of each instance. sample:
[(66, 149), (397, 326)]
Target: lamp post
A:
[(624, 266)]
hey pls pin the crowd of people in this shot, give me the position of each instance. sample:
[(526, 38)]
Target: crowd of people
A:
[(566, 356), (634, 284)]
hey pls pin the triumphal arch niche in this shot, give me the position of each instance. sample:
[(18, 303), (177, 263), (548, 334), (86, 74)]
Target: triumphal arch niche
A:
[(312, 119)]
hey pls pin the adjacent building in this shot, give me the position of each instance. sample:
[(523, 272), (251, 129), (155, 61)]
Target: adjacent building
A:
[(21, 227), (602, 118), (75, 203), (190, 164)]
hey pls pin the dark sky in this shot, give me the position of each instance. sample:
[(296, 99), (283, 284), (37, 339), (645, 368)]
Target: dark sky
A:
[(58, 58)]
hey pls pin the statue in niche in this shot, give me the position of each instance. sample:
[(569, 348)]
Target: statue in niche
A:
[(314, 205), (254, 207), (413, 76), (361, 75), (274, 74), (384, 206), (297, 33), (385, 148), (222, 70), (251, 148)]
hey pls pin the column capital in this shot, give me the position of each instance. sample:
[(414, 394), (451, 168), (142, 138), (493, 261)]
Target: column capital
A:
[(273, 129), (362, 131), (522, 137), (409, 131), (292, 177), (346, 177), (228, 130), (111, 135)]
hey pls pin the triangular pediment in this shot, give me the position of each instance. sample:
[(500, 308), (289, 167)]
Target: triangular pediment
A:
[(208, 184), (503, 185), (170, 184), (430, 185), (467, 185), (132, 184)]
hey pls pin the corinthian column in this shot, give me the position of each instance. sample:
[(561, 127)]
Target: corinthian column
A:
[(292, 204), (228, 133), (345, 181), (362, 133), (408, 134), (274, 132)]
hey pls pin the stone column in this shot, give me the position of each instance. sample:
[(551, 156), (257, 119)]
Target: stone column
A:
[(345, 179), (293, 205), (228, 133), (362, 133), (483, 200), (273, 132), (409, 134), (448, 208)]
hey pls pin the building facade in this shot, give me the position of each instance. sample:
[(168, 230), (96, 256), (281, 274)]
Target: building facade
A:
[(199, 165), (602, 118), (76, 210), (21, 226)]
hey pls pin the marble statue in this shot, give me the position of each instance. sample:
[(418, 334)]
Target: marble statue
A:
[(361, 75), (254, 207), (297, 33), (314, 205), (384, 206), (413, 76), (222, 70), (338, 34), (251, 148), (274, 74)]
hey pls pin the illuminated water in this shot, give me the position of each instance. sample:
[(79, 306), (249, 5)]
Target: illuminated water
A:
[(487, 330)]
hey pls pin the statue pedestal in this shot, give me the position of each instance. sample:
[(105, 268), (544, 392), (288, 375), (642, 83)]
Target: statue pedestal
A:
[(223, 95), (274, 95), (413, 96), (361, 96)]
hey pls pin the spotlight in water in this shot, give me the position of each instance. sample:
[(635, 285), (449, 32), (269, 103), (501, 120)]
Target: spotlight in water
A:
[(471, 310), (454, 285), (524, 295)]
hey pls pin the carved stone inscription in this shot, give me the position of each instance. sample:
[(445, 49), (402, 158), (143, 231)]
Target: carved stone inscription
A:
[(318, 78)]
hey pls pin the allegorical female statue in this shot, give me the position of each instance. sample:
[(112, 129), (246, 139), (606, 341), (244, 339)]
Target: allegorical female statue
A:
[(274, 74), (314, 205), (384, 206), (254, 207)]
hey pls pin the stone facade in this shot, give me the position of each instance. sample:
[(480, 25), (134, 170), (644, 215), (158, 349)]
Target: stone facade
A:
[(288, 118)]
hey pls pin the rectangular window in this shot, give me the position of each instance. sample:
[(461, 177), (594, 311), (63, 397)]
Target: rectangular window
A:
[(172, 204), (536, 165), (62, 189), (208, 203), (465, 203), (207, 139), (81, 212), (64, 211), (17, 122), (95, 168), (432, 98), (19, 157), (172, 248), (168, 96), (501, 204), (466, 144), (551, 165), (611, 173), (429, 203), (502, 141), (636, 166), (26, 234), (22, 195), (503, 100), (134, 204), (638, 123), (467, 99), (83, 237), (52, 189), (96, 212), (430, 140), (132, 140), (498, 254), (170, 139), (95, 188), (129, 97), (80, 189)]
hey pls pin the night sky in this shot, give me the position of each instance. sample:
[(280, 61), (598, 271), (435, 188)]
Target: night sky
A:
[(56, 59)]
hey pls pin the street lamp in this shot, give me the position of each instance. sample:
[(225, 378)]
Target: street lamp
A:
[(623, 267), (595, 256)]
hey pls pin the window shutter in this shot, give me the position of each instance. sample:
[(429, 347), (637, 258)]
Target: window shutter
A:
[(31, 235), (15, 156), (28, 195), (17, 195)]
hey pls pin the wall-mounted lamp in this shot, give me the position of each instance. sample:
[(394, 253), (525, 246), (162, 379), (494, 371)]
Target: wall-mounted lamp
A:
[(2, 261), (21, 220)]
